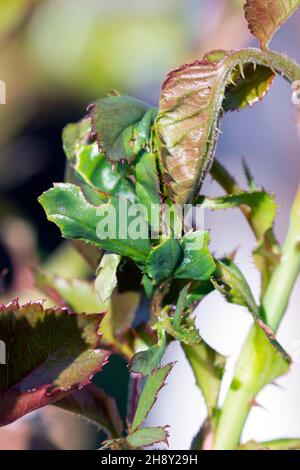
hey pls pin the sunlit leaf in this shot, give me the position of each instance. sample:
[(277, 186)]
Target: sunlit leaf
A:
[(197, 262), (149, 394), (51, 354), (147, 182), (265, 17), (101, 174), (66, 206), (106, 279)]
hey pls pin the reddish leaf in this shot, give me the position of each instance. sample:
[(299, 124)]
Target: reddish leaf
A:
[(50, 353), (94, 405), (190, 110), (266, 16)]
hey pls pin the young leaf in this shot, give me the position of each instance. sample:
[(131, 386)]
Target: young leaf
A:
[(121, 125), (94, 405), (248, 90), (106, 279), (145, 362), (138, 439), (51, 354), (163, 259), (66, 206), (208, 367), (147, 182), (148, 396), (230, 281), (189, 113), (95, 169), (265, 18), (182, 325), (262, 204), (197, 262)]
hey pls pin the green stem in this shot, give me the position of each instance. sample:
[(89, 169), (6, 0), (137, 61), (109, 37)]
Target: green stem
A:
[(283, 279), (252, 368)]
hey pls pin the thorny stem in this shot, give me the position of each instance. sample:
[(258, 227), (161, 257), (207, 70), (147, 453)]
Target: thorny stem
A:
[(239, 400)]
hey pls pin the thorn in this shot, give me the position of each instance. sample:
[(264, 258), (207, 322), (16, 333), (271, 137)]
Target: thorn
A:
[(230, 80), (241, 67), (258, 405), (219, 130), (277, 385), (254, 65)]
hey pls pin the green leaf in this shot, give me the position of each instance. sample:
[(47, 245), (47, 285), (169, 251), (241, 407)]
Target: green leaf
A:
[(197, 262), (106, 279), (101, 174), (145, 362), (66, 206), (265, 18), (208, 367), (94, 405), (148, 396), (189, 112), (262, 204), (247, 91), (147, 182), (163, 259), (51, 354), (182, 325), (230, 281), (73, 135), (137, 440), (198, 291), (122, 126)]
